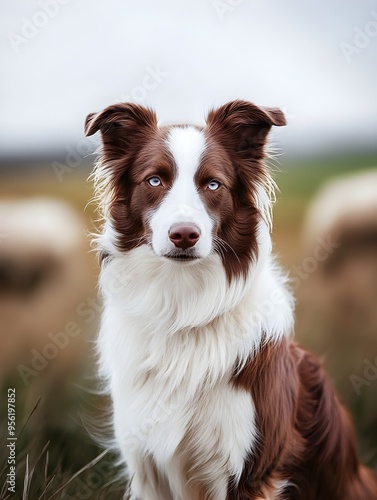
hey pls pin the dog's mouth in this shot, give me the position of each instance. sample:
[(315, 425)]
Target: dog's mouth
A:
[(185, 256)]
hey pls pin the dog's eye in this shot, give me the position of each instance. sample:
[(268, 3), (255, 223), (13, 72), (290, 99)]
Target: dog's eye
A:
[(154, 181), (213, 185)]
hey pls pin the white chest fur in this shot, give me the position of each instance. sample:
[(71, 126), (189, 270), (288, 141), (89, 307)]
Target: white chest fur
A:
[(169, 340)]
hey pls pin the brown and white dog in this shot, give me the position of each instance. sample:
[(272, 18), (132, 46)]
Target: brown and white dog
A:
[(211, 398)]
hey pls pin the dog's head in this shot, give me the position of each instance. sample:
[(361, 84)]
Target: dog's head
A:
[(186, 191)]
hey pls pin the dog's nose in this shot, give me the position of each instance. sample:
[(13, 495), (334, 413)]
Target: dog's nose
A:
[(184, 235)]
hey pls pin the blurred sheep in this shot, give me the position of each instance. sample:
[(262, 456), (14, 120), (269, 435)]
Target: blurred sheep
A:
[(346, 211), (44, 276), (343, 216), (337, 295)]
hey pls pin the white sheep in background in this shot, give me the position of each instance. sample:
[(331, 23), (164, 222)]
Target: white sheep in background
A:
[(45, 275), (337, 302), (344, 208)]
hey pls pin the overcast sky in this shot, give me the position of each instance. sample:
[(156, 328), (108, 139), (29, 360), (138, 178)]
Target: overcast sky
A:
[(62, 59)]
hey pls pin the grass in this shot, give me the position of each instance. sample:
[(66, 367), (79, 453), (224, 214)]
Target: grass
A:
[(56, 458)]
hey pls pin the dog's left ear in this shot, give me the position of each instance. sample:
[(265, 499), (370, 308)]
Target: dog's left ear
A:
[(121, 126), (117, 116), (243, 127)]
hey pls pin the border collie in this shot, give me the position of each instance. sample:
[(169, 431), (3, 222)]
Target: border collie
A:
[(212, 400)]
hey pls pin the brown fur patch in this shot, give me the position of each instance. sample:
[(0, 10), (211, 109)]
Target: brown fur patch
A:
[(133, 150), (305, 434), (236, 136), (133, 198), (231, 207)]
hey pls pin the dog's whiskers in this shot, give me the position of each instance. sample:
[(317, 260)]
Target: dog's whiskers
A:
[(225, 246)]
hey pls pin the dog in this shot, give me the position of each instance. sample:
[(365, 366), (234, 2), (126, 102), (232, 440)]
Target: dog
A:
[(212, 399)]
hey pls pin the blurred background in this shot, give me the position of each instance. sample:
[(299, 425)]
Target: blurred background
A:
[(62, 59)]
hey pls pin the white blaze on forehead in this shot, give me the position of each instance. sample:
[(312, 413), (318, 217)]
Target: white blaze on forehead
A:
[(187, 146), (183, 203)]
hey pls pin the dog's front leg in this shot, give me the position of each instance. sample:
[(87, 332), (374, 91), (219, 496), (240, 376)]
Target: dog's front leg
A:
[(146, 481)]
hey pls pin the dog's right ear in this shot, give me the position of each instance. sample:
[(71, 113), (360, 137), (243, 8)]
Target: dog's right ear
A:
[(120, 124), (244, 126)]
